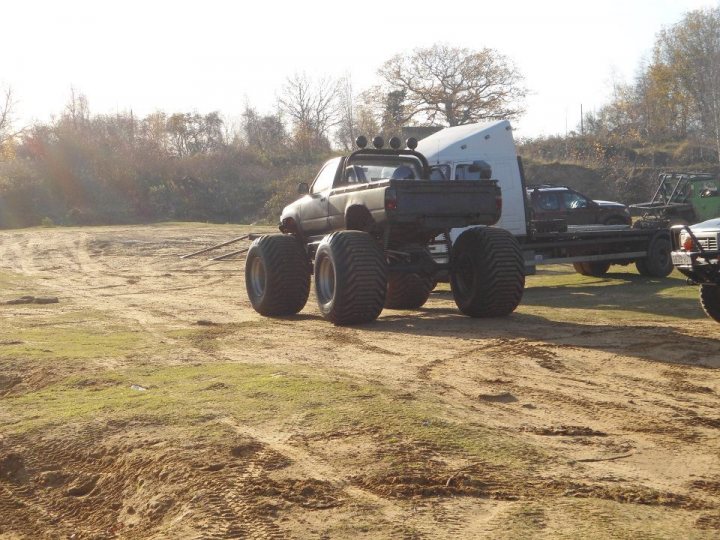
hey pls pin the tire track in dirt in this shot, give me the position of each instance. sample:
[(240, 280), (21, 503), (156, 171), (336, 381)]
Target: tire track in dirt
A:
[(119, 479), (85, 273)]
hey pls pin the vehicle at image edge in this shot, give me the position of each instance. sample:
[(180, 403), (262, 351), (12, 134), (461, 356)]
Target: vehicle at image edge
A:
[(362, 228), (550, 202), (695, 254), (682, 198), (591, 249)]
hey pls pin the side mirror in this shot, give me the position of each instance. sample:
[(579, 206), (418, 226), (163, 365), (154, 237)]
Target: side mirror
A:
[(303, 188)]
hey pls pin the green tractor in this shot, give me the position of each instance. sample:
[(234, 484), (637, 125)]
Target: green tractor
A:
[(682, 199)]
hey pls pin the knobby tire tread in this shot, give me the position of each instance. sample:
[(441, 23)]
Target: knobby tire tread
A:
[(287, 275), (361, 278), (500, 273)]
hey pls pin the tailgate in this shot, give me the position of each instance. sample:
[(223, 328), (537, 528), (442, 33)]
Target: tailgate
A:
[(476, 201)]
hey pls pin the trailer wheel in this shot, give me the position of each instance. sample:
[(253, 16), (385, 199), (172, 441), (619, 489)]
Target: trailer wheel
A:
[(641, 265), (277, 275), (408, 291), (487, 272), (710, 300), (350, 278), (658, 262), (592, 268)]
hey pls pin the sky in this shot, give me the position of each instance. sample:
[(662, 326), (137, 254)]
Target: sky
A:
[(221, 55)]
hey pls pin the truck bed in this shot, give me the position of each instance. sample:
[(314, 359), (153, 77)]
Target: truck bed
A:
[(445, 204)]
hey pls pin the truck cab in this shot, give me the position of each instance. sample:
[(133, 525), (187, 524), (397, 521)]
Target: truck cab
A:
[(453, 152)]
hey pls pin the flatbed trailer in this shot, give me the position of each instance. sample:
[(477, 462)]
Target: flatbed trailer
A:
[(591, 249)]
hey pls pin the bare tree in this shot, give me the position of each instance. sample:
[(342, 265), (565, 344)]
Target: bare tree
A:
[(77, 110), (192, 133), (453, 86), (7, 106), (312, 107), (691, 49), (346, 131), (264, 133)]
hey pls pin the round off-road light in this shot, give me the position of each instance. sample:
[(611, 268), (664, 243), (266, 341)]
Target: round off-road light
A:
[(361, 141), (378, 142), (688, 244), (395, 143), (411, 143)]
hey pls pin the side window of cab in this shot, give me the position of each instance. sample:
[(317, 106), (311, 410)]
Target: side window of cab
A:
[(574, 200), (325, 178)]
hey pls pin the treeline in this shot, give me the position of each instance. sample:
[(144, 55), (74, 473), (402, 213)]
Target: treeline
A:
[(84, 168), (668, 117), (676, 95), (91, 169)]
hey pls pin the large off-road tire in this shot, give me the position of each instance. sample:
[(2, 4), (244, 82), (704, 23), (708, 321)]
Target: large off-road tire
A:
[(350, 278), (641, 265), (277, 275), (710, 300), (592, 268), (408, 291), (658, 262), (487, 275)]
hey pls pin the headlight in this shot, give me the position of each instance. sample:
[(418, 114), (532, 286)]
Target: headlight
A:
[(686, 241)]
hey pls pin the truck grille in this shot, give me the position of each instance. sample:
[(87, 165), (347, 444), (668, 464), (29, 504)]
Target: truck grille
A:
[(710, 244)]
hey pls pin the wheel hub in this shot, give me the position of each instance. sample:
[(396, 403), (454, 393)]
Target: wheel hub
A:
[(258, 277), (325, 280)]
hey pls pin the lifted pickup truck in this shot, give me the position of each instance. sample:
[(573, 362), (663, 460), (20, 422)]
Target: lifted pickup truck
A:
[(696, 254), (363, 227)]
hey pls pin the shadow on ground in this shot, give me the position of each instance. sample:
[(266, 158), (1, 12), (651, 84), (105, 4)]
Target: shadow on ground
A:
[(617, 292), (649, 342)]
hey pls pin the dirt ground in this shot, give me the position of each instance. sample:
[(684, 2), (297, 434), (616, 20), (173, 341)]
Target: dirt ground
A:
[(151, 401)]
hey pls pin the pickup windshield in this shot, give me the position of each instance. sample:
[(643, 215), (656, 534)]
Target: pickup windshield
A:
[(376, 168)]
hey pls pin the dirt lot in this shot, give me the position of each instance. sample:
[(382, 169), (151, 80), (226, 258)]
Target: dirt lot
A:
[(152, 401)]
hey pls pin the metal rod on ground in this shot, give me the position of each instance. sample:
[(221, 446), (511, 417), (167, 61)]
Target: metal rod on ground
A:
[(228, 255), (245, 237)]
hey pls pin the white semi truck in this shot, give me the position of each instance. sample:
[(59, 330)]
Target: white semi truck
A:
[(457, 153)]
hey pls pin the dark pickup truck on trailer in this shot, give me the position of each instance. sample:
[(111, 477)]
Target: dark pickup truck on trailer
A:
[(363, 227), (549, 202)]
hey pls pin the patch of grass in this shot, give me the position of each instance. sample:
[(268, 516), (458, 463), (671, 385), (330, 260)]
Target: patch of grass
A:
[(11, 284), (196, 396), (569, 519), (62, 333), (208, 338), (622, 295), (69, 343), (595, 518), (520, 520)]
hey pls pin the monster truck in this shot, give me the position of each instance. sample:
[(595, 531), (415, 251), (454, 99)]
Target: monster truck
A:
[(695, 254), (362, 227)]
